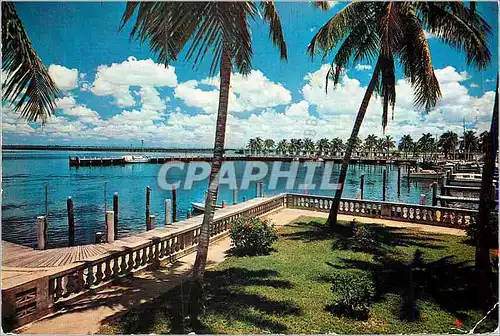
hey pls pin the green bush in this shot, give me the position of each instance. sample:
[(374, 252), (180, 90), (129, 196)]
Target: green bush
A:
[(363, 237), (354, 292), (252, 236), (492, 229)]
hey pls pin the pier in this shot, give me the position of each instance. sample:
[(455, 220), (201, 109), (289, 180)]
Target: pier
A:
[(114, 161), (37, 283)]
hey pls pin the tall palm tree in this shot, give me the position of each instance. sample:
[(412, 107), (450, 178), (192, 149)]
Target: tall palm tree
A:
[(382, 32), (370, 143), (269, 144), (358, 145), (28, 85), (252, 146), (483, 138), (406, 144), (426, 145), (379, 145), (222, 28), (259, 144), (448, 142), (389, 144), (336, 145), (470, 142), (283, 146)]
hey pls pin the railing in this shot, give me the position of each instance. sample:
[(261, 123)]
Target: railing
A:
[(29, 301), (422, 214), (34, 299)]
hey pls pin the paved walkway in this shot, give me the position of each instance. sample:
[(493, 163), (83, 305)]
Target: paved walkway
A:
[(87, 315)]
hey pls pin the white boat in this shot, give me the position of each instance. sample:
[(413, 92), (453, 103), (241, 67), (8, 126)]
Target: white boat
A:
[(295, 159), (201, 206), (424, 174), (467, 177), (136, 159)]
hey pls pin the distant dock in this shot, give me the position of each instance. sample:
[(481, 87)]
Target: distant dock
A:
[(118, 161)]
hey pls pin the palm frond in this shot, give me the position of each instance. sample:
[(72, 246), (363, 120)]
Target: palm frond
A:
[(28, 86), (275, 31), (339, 26), (415, 57), (456, 26)]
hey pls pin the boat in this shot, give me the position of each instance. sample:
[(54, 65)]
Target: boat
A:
[(136, 159), (200, 207), (424, 174), (467, 177), (295, 159)]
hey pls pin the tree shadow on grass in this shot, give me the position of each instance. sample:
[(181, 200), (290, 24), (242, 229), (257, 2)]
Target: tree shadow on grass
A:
[(225, 296)]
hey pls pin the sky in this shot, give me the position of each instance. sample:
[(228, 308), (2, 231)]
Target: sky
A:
[(113, 92)]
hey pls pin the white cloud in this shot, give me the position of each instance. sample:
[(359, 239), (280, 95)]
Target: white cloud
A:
[(361, 67), (69, 107), (65, 78), (300, 109), (116, 79), (247, 93), (450, 74)]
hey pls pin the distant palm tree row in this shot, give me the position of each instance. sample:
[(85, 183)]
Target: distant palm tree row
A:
[(427, 146)]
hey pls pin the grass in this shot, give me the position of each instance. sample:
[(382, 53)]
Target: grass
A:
[(288, 291)]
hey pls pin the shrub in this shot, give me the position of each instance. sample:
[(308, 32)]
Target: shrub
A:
[(354, 293), (252, 236), (492, 229), (363, 237)]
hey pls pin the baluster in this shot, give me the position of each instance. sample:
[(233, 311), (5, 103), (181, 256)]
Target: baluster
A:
[(90, 276), (80, 282), (138, 259), (405, 212), (123, 265), (417, 213), (438, 216), (356, 207), (412, 213), (162, 248), (116, 270), (70, 284), (107, 271), (131, 261), (58, 290), (144, 256), (98, 275), (177, 244)]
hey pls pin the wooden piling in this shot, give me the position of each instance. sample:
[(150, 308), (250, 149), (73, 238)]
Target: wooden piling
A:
[(188, 214), (168, 212), (434, 194), (399, 181), (235, 196), (115, 210), (46, 202), (223, 203), (148, 202), (244, 198), (257, 191), (384, 181), (174, 205), (151, 222), (362, 185), (71, 222), (99, 237), (110, 226), (41, 232)]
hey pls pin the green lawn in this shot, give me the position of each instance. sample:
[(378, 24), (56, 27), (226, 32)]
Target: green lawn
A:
[(288, 290)]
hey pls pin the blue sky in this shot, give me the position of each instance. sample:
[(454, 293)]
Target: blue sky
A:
[(110, 98)]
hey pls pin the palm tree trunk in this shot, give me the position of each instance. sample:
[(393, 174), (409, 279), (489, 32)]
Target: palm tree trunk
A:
[(486, 206), (196, 297), (332, 217)]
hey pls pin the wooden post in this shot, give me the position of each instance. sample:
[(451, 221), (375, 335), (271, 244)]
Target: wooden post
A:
[(168, 212), (399, 181), (223, 203), (441, 186), (99, 237), (110, 226), (235, 196), (151, 222), (422, 199), (71, 222), (41, 232), (174, 205), (115, 210), (434, 193), (244, 198), (362, 185), (257, 192), (105, 196), (148, 202), (188, 214), (384, 181)]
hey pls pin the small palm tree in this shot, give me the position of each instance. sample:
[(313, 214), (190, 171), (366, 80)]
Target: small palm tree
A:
[(28, 85), (448, 142), (222, 28), (336, 145), (283, 146), (406, 144), (259, 144), (469, 143), (384, 32), (370, 143), (308, 145), (426, 145), (389, 144), (322, 145), (269, 145)]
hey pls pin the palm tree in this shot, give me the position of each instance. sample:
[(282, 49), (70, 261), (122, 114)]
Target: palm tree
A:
[(389, 143), (308, 145), (269, 144), (222, 28), (483, 138), (385, 31), (283, 146), (296, 145), (370, 143), (336, 145), (470, 142), (448, 142), (358, 145), (426, 145), (322, 145), (379, 145), (259, 144), (406, 144), (251, 146), (28, 85)]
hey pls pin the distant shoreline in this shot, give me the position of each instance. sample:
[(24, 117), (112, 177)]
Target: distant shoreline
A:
[(108, 148)]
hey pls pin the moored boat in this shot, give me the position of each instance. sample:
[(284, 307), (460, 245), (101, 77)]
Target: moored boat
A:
[(424, 174), (200, 207), (136, 159)]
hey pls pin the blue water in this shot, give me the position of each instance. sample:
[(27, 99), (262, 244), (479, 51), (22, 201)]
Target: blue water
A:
[(26, 173)]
